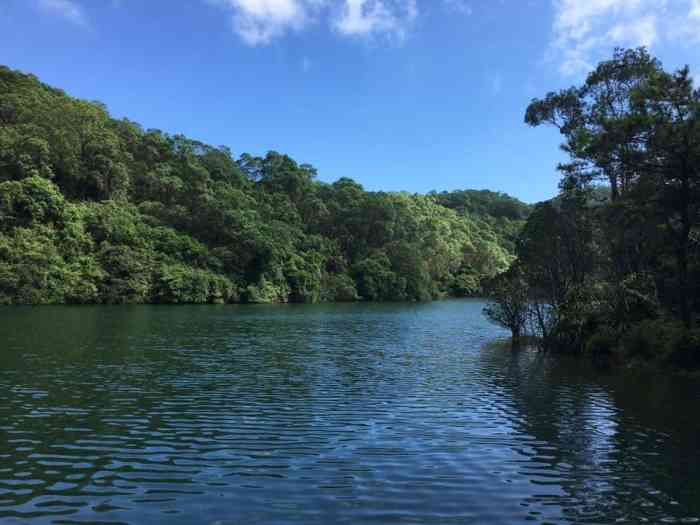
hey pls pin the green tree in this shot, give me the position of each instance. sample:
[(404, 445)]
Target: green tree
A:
[(508, 304)]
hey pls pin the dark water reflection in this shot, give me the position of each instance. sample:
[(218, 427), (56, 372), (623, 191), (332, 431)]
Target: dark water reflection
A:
[(327, 414)]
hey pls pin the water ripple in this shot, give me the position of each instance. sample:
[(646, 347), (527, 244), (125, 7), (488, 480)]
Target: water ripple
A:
[(372, 414)]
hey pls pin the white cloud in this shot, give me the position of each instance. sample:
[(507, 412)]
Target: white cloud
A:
[(366, 17), (692, 24), (585, 31), (66, 9), (642, 31), (258, 22), (581, 28)]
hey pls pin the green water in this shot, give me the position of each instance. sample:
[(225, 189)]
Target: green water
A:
[(327, 414)]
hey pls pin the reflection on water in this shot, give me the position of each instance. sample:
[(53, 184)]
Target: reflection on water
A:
[(327, 414)]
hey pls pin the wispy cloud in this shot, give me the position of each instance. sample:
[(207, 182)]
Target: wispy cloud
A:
[(366, 17), (642, 31), (692, 24), (66, 9), (584, 31), (259, 22)]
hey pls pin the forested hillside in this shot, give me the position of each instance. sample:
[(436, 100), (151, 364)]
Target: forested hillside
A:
[(99, 210)]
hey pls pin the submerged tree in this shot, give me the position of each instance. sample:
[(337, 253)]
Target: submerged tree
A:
[(509, 303), (606, 265)]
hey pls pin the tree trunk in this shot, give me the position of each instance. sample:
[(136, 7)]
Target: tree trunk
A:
[(683, 282), (515, 340), (683, 248)]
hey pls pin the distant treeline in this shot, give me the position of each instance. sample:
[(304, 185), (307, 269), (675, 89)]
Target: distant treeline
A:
[(611, 267), (99, 210)]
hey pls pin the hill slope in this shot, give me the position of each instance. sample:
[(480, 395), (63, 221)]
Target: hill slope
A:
[(99, 210)]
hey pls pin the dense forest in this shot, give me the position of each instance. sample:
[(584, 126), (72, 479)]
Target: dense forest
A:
[(98, 210), (611, 266)]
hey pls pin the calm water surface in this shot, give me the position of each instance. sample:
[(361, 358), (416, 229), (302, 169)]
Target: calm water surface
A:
[(327, 414)]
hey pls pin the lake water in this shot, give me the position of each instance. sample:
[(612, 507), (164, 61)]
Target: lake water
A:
[(331, 414)]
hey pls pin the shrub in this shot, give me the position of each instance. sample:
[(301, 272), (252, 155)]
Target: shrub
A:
[(376, 281), (28, 202), (339, 288), (181, 284), (303, 275), (267, 291), (128, 276), (650, 339), (603, 343), (683, 349), (508, 302)]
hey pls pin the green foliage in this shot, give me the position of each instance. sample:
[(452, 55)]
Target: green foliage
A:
[(99, 210), (339, 288), (303, 274), (129, 274), (32, 270), (30, 201), (663, 340), (648, 339), (376, 281), (265, 292), (508, 302), (683, 350), (484, 203), (603, 343), (182, 284), (612, 264)]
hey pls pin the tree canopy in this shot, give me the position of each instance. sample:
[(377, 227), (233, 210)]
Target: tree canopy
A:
[(612, 264), (100, 210)]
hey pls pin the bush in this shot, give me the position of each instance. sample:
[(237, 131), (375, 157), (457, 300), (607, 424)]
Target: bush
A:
[(683, 350), (181, 284), (467, 285), (129, 274), (602, 343), (303, 275), (266, 292), (339, 288), (376, 281), (650, 339), (32, 270), (31, 201), (508, 302)]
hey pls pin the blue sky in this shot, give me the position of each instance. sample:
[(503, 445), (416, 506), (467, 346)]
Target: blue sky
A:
[(397, 94)]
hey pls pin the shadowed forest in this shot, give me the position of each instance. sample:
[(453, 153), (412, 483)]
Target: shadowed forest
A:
[(611, 266)]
